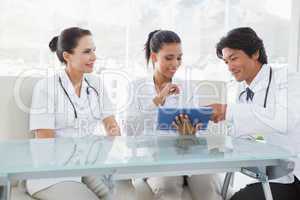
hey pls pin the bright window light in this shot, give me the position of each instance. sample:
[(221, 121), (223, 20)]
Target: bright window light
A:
[(280, 8)]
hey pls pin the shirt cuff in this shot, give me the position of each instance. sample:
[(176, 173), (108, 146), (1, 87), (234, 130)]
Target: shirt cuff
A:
[(42, 121), (106, 116), (229, 112)]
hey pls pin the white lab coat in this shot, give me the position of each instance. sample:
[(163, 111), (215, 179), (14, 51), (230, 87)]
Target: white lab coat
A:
[(51, 109), (271, 119), (141, 118), (251, 118), (141, 113)]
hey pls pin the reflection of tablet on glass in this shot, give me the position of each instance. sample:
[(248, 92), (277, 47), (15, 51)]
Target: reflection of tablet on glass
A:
[(166, 116)]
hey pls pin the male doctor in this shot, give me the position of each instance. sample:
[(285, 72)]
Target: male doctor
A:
[(261, 106)]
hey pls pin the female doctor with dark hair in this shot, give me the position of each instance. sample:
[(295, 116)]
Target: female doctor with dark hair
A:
[(163, 50), (71, 104)]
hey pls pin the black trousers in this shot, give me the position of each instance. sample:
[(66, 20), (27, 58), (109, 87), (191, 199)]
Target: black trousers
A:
[(279, 191)]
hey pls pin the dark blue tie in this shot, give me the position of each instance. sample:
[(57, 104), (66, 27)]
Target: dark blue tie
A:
[(249, 94)]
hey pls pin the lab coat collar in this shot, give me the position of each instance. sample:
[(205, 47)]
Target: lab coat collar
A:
[(150, 81), (261, 79), (70, 88)]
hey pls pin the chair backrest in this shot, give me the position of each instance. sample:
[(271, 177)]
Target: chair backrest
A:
[(16, 101), (15, 106)]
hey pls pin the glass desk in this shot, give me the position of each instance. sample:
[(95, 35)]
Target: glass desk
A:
[(134, 157), (5, 190)]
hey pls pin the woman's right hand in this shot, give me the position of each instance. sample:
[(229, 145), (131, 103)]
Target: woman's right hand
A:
[(111, 126), (167, 90), (44, 133)]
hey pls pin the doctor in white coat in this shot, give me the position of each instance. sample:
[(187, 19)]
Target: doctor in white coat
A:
[(163, 50), (71, 104), (261, 106)]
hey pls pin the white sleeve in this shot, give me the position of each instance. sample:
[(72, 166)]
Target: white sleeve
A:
[(42, 115), (139, 110), (141, 98), (255, 119), (107, 107), (293, 103)]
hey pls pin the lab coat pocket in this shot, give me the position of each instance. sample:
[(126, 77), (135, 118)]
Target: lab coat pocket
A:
[(64, 120), (94, 108)]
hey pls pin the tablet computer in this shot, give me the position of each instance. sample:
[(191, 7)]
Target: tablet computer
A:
[(167, 115)]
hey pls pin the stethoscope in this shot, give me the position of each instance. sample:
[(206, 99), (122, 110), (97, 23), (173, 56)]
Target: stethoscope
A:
[(95, 145), (267, 90), (87, 92)]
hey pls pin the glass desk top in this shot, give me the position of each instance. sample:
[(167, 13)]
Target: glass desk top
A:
[(32, 155)]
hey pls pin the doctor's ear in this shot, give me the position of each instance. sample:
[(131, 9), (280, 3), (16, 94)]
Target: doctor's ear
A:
[(66, 56), (256, 55), (153, 57)]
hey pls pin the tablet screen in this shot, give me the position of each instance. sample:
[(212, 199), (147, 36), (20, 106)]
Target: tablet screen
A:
[(166, 116)]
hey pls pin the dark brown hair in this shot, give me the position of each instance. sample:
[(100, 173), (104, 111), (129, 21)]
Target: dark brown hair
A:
[(67, 41)]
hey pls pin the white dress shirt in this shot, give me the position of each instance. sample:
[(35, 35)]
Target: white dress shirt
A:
[(251, 118), (51, 109)]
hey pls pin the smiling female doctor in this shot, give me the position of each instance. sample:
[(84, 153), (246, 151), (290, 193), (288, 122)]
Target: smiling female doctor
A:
[(71, 104), (163, 50)]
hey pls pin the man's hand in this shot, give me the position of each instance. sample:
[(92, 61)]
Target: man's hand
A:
[(219, 112)]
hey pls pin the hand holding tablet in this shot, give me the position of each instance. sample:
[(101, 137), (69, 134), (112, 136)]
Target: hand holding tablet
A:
[(189, 117), (184, 126)]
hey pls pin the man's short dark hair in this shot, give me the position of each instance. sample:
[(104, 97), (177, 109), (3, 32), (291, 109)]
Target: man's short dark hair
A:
[(244, 39)]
